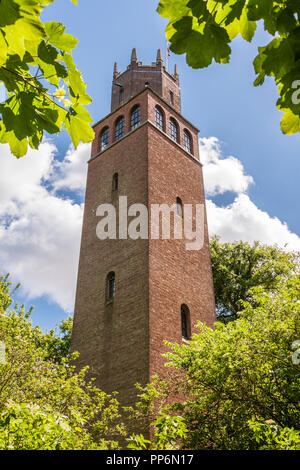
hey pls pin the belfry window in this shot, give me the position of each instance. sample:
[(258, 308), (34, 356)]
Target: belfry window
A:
[(159, 118), (119, 129), (185, 322), (174, 130), (135, 117), (179, 207), (111, 286), (104, 139), (187, 141), (115, 182)]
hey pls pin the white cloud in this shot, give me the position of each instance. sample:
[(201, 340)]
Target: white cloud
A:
[(41, 247), (21, 179), (221, 174), (40, 232), (71, 172), (241, 220)]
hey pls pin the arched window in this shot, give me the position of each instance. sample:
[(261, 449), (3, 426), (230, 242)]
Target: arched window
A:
[(135, 117), (115, 182), (110, 286), (119, 128), (185, 322), (121, 96), (174, 134), (187, 141), (159, 118), (179, 206), (104, 138)]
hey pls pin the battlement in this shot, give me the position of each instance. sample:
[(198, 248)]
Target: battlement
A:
[(138, 76)]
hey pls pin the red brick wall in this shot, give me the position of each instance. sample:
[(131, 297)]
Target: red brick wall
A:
[(176, 276), (113, 339)]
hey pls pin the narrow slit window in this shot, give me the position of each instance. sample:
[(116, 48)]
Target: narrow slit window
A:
[(115, 183), (185, 322), (121, 95), (179, 207), (111, 286), (119, 129), (135, 117)]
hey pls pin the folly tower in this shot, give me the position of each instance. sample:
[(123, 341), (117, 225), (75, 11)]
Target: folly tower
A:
[(132, 294)]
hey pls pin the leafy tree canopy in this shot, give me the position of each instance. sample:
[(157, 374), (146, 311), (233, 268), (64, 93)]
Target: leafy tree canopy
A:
[(57, 342), (45, 403), (240, 382), (204, 29), (239, 266), (45, 90)]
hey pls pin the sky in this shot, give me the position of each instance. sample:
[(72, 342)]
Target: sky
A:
[(251, 170)]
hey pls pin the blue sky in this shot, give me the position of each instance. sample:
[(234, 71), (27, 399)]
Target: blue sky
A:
[(261, 180)]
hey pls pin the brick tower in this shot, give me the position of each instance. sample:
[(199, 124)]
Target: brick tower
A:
[(132, 294)]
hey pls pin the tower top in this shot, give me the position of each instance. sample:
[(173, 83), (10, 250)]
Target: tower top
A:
[(159, 59), (137, 76), (115, 70), (134, 56)]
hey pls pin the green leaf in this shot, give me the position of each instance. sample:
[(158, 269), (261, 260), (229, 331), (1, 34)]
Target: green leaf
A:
[(270, 24), (48, 120), (75, 82), (290, 123), (77, 124), (47, 61), (230, 11), (173, 9), (57, 37), (276, 59), (3, 49), (294, 5), (198, 8), (9, 12), (258, 9), (289, 91), (21, 34), (17, 146), (286, 21), (201, 44), (242, 26)]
